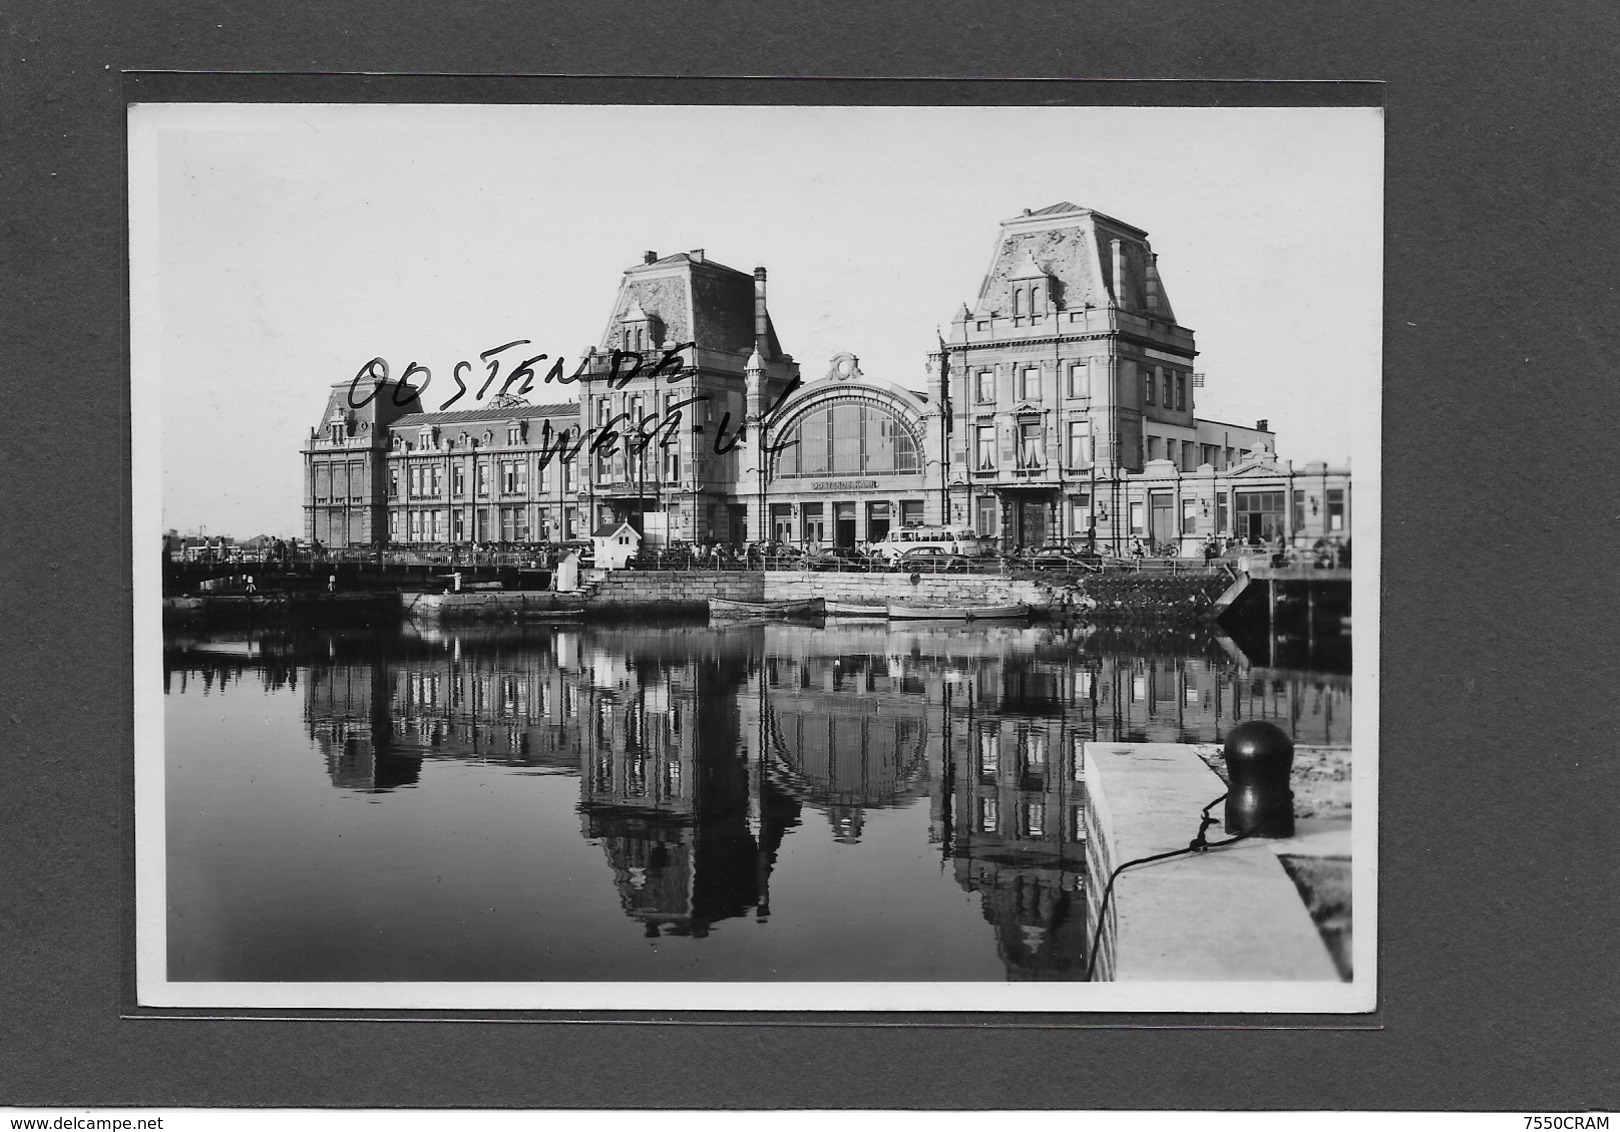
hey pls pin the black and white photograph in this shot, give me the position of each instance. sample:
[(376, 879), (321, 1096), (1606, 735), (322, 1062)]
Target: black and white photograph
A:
[(756, 557)]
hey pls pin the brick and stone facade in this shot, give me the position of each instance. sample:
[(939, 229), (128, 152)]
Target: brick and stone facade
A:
[(1060, 410), (1065, 380)]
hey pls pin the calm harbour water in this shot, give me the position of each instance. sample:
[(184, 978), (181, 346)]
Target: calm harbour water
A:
[(671, 802)]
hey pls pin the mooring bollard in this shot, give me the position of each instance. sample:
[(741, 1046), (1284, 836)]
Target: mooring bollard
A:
[(1259, 768)]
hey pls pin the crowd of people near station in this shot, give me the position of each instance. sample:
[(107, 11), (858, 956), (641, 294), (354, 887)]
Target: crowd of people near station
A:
[(1323, 554)]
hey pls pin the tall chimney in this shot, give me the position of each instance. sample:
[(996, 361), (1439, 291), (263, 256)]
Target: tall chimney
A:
[(761, 319), (1119, 272)]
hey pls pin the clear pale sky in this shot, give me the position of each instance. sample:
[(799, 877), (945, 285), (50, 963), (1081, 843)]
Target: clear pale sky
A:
[(276, 248)]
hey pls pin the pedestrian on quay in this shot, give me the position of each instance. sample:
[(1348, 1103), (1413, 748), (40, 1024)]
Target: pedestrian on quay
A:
[(331, 584), (1279, 556)]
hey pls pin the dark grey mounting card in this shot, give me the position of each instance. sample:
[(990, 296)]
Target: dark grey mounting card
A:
[(795, 569)]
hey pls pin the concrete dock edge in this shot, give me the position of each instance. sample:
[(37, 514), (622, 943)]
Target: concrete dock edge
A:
[(1230, 913)]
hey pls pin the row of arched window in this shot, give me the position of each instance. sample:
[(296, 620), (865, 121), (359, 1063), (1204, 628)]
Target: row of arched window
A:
[(847, 438), (1029, 300)]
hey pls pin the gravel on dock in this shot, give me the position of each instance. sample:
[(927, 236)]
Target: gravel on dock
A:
[(1321, 778)]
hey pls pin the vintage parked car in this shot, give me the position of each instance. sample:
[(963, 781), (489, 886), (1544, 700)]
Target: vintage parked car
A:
[(959, 541), (1055, 556), (925, 560), (838, 558)]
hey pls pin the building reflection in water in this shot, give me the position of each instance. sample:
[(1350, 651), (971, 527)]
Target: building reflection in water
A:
[(697, 750)]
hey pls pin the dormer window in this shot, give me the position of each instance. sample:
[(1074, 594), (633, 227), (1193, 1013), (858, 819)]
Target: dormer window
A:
[(639, 330), (514, 433), (335, 432), (424, 439)]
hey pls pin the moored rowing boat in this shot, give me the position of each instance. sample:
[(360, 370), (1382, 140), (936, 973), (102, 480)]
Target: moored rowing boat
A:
[(957, 612), (804, 608), (850, 609)]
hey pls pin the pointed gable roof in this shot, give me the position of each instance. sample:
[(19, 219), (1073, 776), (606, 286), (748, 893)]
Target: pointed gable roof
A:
[(1027, 268), (610, 530)]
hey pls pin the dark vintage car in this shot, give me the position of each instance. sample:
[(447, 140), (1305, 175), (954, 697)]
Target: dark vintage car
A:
[(1058, 557), (928, 561), (838, 558)]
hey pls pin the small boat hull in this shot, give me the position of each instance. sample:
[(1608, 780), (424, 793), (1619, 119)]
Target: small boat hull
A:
[(848, 609), (806, 609), (958, 612)]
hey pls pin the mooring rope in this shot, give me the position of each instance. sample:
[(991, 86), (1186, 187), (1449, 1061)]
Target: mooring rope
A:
[(1198, 844)]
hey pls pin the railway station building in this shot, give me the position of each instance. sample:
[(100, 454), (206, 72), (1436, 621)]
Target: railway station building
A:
[(1061, 408)]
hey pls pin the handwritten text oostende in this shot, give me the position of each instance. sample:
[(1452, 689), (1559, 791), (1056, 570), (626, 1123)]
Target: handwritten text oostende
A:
[(559, 444)]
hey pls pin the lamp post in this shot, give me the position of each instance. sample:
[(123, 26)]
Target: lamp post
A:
[(754, 376)]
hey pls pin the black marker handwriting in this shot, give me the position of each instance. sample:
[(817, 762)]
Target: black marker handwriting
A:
[(603, 439), (671, 367)]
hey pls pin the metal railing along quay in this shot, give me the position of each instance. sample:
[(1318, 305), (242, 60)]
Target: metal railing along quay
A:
[(542, 557)]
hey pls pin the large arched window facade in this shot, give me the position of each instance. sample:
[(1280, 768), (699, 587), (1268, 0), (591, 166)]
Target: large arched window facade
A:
[(849, 437)]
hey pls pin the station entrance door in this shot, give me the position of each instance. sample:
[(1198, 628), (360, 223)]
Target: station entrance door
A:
[(877, 521), (844, 524), (1162, 518)]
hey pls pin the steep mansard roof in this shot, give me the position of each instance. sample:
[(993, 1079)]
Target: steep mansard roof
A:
[(1072, 246), (696, 300)]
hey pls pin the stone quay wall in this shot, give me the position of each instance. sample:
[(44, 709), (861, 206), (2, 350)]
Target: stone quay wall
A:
[(927, 590), (1101, 597), (1123, 596), (668, 591)]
